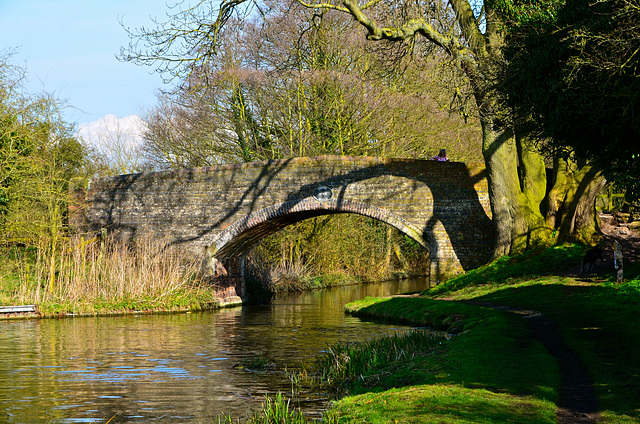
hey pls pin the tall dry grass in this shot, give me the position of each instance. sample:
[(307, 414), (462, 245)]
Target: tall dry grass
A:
[(285, 275), (93, 274)]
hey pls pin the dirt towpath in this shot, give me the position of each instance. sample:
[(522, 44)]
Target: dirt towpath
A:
[(577, 402)]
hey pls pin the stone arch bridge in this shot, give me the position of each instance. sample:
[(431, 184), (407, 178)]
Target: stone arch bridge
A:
[(220, 212)]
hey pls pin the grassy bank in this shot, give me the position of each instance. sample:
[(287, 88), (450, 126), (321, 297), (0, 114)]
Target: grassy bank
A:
[(490, 373), (108, 277), (493, 371), (286, 276), (597, 318)]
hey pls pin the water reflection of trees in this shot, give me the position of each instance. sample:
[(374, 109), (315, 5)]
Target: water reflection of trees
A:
[(100, 361), (53, 370)]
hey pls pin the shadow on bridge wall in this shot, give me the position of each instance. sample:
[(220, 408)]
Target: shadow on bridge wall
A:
[(224, 211)]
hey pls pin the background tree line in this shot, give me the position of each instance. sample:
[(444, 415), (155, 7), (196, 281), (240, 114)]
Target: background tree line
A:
[(543, 92), (479, 41), (543, 176), (289, 83), (42, 260)]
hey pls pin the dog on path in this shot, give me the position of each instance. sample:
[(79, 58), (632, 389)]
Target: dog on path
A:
[(590, 258)]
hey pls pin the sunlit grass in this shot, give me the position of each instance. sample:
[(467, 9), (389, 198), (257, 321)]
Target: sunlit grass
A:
[(442, 403), (491, 372)]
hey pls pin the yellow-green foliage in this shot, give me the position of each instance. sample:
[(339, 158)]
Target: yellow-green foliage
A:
[(38, 157), (343, 245)]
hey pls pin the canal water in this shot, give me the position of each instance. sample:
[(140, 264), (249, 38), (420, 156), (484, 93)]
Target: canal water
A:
[(179, 368)]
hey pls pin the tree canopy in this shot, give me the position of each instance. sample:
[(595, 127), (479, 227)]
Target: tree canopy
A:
[(287, 82), (572, 78), (471, 35)]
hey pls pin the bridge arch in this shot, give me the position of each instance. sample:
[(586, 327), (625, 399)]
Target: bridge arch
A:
[(223, 210), (229, 247), (245, 233)]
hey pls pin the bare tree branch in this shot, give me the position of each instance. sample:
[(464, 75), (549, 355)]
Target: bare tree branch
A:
[(469, 25), (451, 44)]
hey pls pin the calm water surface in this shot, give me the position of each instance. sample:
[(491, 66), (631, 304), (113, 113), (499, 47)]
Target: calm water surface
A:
[(171, 368)]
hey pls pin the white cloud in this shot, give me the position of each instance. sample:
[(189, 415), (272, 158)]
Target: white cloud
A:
[(117, 140), (109, 127)]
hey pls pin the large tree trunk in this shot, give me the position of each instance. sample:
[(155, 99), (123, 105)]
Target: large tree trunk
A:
[(516, 169), (499, 155), (518, 190), (516, 187), (571, 202)]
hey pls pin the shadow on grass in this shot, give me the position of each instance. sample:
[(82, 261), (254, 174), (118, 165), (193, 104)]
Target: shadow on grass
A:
[(599, 322), (493, 350)]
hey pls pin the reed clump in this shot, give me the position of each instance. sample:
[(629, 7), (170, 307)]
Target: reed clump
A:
[(106, 275), (283, 276), (344, 363), (276, 410), (295, 276)]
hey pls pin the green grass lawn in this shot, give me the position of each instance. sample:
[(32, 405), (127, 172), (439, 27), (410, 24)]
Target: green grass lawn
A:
[(442, 403), (494, 371), (599, 321)]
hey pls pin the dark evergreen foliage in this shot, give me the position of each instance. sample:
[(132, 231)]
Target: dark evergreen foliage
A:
[(572, 78)]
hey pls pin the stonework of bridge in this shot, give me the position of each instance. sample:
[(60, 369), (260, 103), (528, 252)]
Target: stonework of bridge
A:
[(219, 213)]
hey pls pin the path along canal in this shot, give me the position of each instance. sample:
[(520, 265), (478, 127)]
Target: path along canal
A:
[(172, 368)]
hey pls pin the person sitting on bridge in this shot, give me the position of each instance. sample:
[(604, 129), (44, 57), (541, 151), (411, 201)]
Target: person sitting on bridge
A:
[(441, 157)]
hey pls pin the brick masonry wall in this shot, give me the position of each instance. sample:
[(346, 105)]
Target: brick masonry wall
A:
[(222, 211)]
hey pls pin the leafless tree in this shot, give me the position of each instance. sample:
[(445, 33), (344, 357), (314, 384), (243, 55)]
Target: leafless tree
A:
[(467, 32), (290, 83)]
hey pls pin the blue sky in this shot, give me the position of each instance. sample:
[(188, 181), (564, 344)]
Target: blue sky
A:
[(69, 48)]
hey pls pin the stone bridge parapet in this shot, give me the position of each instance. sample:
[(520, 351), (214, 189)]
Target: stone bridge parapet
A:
[(221, 212)]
